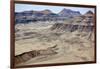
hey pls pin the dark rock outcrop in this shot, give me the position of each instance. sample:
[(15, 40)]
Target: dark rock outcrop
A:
[(35, 53)]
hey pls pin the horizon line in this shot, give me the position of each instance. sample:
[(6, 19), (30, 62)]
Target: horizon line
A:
[(54, 9)]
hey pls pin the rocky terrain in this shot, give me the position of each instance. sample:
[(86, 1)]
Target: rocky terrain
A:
[(54, 38), (44, 15)]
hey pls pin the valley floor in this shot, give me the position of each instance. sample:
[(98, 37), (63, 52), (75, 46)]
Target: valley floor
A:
[(72, 46)]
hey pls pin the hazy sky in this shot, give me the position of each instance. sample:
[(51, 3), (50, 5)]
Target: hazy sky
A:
[(55, 9)]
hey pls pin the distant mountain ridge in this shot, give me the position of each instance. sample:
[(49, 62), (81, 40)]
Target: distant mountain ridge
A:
[(36, 13), (46, 15), (64, 13), (69, 13), (89, 12)]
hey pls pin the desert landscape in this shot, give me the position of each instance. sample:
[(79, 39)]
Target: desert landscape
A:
[(43, 37)]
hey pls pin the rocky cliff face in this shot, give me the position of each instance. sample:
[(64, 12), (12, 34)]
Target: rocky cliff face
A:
[(72, 27), (84, 23)]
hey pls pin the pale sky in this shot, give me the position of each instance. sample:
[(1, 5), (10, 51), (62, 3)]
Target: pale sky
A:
[(55, 9)]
